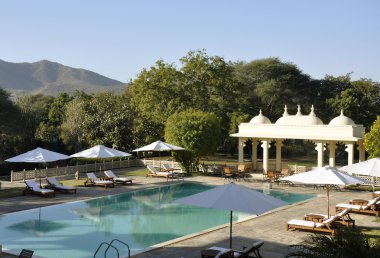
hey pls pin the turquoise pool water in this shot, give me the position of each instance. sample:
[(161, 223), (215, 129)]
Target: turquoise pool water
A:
[(141, 219)]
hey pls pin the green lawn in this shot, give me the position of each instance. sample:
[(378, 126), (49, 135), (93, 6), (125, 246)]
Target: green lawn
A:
[(11, 192)]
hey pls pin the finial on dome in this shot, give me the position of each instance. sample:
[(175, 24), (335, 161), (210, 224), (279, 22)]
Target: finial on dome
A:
[(312, 111), (341, 112), (261, 113), (285, 111), (299, 111)]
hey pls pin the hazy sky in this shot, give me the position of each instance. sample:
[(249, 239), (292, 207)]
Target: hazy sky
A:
[(117, 38)]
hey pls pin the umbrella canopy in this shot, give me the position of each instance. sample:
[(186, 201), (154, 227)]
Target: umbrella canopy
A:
[(233, 197), (324, 176), (159, 146), (100, 151), (38, 155), (369, 167)]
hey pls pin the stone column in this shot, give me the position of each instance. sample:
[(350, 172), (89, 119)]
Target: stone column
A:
[(278, 154), (241, 150), (332, 147), (319, 149), (265, 146), (254, 153), (361, 151), (350, 152)]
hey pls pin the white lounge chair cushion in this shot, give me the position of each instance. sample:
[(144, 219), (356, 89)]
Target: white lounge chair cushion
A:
[(55, 182), (64, 187), (331, 219), (110, 173), (102, 182), (352, 206), (376, 192), (96, 180), (306, 223), (36, 188)]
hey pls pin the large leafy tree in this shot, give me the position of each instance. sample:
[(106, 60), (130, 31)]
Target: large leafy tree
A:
[(360, 100), (203, 82), (71, 132), (197, 131), (269, 84), (372, 140), (10, 126), (34, 111), (107, 121)]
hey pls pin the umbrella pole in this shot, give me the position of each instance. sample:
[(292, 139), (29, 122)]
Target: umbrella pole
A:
[(373, 184), (231, 229), (328, 201)]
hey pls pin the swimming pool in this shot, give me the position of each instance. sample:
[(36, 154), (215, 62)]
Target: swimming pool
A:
[(140, 218)]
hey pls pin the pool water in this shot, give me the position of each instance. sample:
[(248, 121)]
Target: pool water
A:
[(140, 218)]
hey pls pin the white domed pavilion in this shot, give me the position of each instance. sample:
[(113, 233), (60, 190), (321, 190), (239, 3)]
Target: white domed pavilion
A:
[(305, 127)]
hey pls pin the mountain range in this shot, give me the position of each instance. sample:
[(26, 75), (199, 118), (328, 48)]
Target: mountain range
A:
[(50, 78)]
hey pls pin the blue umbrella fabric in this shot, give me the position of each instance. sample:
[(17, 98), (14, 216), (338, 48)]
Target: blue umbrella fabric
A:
[(233, 197)]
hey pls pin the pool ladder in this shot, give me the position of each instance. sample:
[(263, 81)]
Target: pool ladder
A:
[(115, 248)]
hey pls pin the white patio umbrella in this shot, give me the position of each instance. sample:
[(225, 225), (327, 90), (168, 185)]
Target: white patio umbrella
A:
[(100, 151), (324, 176), (159, 146), (233, 197), (38, 155), (369, 167)]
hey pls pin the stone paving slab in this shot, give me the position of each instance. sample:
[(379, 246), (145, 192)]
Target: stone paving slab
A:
[(269, 227)]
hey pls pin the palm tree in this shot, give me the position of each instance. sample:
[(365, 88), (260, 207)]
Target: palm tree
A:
[(348, 243)]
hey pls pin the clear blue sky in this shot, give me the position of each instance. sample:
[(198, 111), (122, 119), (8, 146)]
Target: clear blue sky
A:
[(118, 38)]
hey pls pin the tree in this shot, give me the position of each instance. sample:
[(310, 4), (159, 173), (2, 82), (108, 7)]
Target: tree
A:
[(34, 111), (196, 131), (360, 100), (72, 129), (108, 121), (10, 127), (269, 84), (372, 140), (348, 243)]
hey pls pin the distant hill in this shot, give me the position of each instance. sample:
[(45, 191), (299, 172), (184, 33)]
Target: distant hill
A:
[(51, 78)]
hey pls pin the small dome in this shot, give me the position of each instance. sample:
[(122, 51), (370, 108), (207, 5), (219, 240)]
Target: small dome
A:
[(299, 119), (260, 119), (341, 120)]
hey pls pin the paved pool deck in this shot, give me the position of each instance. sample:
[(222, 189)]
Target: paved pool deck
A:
[(269, 227)]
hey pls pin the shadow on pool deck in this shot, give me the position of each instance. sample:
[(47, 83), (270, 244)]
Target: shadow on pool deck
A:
[(269, 227)]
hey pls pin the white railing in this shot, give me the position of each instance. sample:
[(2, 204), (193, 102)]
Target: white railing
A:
[(71, 170), (157, 163)]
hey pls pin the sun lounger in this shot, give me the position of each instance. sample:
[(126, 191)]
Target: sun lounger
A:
[(33, 188), (155, 173), (111, 176), (344, 218), (25, 253), (93, 180), (56, 185), (326, 226), (365, 207), (251, 251)]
